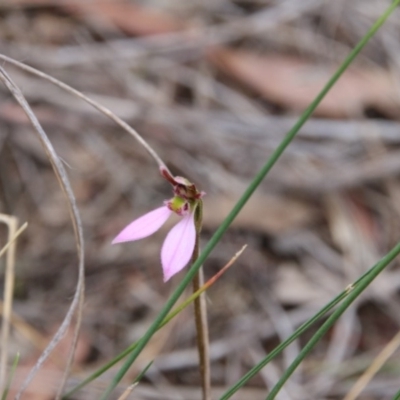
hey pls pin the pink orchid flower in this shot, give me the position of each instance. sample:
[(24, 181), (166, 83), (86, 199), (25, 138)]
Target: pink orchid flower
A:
[(180, 242)]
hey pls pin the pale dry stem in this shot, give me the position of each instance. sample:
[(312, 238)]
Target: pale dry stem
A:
[(107, 112), (372, 370), (8, 244), (203, 344), (127, 391), (77, 302), (12, 224)]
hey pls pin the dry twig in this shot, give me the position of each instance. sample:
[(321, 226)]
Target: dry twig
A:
[(10, 247), (77, 302), (93, 103)]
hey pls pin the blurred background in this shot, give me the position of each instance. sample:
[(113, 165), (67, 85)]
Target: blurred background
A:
[(213, 86)]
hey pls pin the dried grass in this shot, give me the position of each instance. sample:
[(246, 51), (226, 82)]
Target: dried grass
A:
[(337, 185)]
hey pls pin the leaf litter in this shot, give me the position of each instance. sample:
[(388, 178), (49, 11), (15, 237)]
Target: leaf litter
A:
[(215, 106)]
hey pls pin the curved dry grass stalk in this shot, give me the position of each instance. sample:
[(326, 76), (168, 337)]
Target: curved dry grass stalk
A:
[(93, 103), (77, 302)]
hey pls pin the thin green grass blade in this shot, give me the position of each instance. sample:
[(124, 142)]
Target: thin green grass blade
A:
[(305, 326), (363, 284), (297, 333), (100, 371), (141, 375), (174, 313), (129, 349), (242, 201), (11, 377)]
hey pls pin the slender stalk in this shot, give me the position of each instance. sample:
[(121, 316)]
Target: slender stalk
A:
[(76, 306), (298, 332), (243, 200), (282, 346), (10, 377), (353, 295), (203, 345), (108, 113), (200, 313), (168, 318), (9, 281), (16, 235), (373, 369), (359, 284)]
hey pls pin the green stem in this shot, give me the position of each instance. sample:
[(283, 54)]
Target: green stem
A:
[(129, 349), (339, 298), (282, 346), (299, 331), (242, 201), (363, 284), (10, 377)]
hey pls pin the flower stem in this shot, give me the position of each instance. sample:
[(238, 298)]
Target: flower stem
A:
[(239, 205), (200, 313)]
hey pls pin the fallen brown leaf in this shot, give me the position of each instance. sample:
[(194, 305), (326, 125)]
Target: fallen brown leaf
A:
[(293, 82), (131, 18), (12, 113), (262, 213), (292, 287), (45, 384)]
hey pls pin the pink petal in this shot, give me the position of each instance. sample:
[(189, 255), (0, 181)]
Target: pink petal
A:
[(178, 246), (144, 226)]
